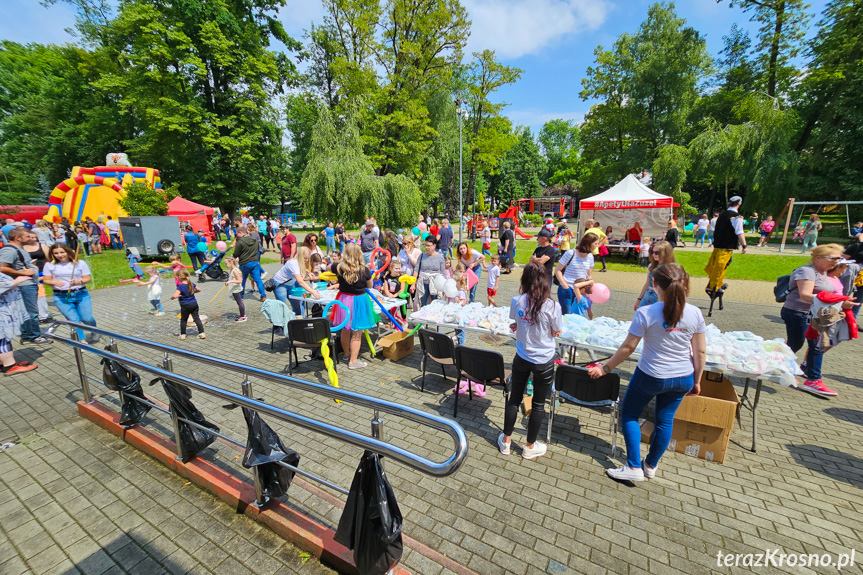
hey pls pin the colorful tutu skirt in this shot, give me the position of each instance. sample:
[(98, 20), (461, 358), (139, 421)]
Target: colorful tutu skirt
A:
[(362, 313)]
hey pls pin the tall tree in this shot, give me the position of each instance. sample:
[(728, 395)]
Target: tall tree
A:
[(489, 134), (197, 81), (831, 104), (780, 39), (558, 141), (647, 85), (520, 170), (339, 181)]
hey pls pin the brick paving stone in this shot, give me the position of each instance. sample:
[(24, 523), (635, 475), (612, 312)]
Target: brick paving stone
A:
[(801, 491)]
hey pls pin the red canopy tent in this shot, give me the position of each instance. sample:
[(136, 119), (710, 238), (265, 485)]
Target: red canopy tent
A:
[(196, 215)]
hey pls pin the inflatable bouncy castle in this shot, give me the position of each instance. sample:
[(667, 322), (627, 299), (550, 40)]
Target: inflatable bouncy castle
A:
[(94, 191)]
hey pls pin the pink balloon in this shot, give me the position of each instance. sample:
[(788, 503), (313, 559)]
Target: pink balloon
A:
[(422, 226), (600, 293), (221, 246)]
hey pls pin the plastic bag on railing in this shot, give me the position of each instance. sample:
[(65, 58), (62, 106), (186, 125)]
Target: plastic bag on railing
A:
[(371, 523), (264, 449), (192, 439), (118, 377)]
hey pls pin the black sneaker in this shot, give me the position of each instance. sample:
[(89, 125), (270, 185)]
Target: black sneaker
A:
[(48, 319)]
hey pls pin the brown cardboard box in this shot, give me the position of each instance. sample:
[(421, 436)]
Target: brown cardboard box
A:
[(703, 423), (396, 346)]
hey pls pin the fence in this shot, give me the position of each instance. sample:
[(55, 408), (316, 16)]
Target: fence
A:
[(373, 442)]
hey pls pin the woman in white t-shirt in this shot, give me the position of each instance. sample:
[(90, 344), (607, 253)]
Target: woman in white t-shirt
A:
[(288, 278), (670, 367), (575, 264), (701, 230), (69, 278), (537, 322)]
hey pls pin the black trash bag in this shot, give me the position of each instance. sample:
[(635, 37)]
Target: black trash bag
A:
[(192, 439), (263, 450), (118, 377), (371, 523)]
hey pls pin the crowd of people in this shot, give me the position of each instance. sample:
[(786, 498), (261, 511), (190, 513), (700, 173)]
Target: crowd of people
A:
[(672, 329)]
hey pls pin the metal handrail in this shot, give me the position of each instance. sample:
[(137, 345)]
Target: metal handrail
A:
[(453, 429)]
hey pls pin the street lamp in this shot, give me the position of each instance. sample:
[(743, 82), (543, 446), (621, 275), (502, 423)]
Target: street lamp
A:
[(462, 115)]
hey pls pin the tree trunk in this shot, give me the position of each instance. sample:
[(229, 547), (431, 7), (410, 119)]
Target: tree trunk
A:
[(774, 49), (712, 200)]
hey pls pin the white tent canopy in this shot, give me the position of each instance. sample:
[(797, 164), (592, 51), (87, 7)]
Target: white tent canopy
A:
[(625, 203)]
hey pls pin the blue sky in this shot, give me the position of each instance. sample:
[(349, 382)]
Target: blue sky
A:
[(551, 40)]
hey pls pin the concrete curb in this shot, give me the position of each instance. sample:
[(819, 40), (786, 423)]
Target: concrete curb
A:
[(304, 532)]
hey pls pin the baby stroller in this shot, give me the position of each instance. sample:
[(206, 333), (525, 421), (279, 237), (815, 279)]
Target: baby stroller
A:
[(212, 268)]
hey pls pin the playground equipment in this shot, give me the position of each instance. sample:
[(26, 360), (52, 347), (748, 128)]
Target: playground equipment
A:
[(512, 213), (286, 219), (96, 191)]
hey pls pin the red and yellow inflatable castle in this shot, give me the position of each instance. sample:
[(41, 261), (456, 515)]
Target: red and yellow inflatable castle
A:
[(94, 191)]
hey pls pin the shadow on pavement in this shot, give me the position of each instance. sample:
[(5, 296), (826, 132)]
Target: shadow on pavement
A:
[(845, 414), (834, 464)]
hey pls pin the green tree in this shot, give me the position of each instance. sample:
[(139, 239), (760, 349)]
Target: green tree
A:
[(52, 117), (339, 182), (488, 132), (670, 173), (196, 80), (831, 106), (647, 87), (558, 141), (520, 170), (780, 38), (141, 200)]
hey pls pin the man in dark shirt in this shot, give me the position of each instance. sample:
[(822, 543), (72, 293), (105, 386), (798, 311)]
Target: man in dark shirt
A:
[(507, 248), (444, 238), (368, 241), (544, 252), (340, 236), (246, 251)]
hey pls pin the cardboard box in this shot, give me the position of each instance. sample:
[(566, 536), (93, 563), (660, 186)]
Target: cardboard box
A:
[(703, 423), (396, 346)]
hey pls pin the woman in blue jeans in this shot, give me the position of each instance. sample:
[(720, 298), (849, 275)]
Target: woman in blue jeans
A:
[(661, 253), (575, 264), (288, 278), (69, 278), (670, 367), (806, 283)]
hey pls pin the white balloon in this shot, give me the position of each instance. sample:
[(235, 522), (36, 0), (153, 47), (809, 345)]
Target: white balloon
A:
[(449, 288), (439, 282)]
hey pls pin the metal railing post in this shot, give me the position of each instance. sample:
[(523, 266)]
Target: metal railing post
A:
[(260, 498), (168, 365), (112, 347), (82, 371)]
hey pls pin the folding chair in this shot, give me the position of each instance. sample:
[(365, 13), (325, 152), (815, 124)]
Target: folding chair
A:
[(480, 366), (439, 348), (575, 385), (307, 334)]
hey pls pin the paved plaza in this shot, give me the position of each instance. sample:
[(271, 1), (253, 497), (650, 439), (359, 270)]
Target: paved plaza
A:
[(73, 498)]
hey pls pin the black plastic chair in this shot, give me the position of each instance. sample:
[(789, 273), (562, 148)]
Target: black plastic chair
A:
[(576, 385), (307, 333), (437, 347), (480, 366)]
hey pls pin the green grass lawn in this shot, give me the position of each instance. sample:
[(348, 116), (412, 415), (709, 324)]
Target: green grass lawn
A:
[(110, 267), (747, 266)]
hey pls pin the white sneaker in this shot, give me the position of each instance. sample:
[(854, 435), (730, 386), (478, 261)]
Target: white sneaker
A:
[(357, 365), (625, 473), (502, 447), (538, 450), (264, 274), (649, 472)]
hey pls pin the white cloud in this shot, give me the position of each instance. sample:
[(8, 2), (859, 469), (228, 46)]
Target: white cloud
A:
[(514, 28)]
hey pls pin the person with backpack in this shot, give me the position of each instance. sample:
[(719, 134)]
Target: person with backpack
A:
[(805, 283)]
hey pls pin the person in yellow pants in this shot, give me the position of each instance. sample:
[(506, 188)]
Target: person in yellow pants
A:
[(727, 237)]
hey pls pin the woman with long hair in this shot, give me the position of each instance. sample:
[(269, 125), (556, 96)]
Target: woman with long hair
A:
[(471, 260), (574, 264), (310, 242), (353, 278), (805, 285), (661, 253), (69, 278), (538, 321), (670, 367)]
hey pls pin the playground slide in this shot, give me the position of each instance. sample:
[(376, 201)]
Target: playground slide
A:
[(512, 212)]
